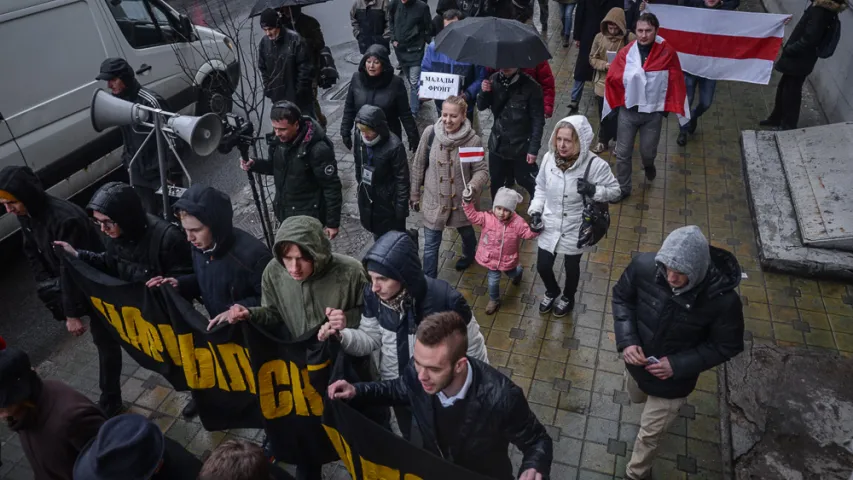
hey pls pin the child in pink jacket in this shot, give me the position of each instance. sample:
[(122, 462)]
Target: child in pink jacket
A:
[(500, 239)]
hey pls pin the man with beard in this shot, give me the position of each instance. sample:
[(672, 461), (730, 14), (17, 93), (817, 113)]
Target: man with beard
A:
[(139, 246), (53, 421), (448, 393), (145, 171)]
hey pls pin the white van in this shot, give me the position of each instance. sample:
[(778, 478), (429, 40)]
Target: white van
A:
[(51, 52)]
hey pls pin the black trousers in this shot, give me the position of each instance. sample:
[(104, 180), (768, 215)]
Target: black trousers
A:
[(109, 362), (607, 129), (500, 167), (789, 96), (545, 266)]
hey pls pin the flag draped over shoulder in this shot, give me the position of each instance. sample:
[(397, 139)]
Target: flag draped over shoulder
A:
[(722, 44), (654, 86)]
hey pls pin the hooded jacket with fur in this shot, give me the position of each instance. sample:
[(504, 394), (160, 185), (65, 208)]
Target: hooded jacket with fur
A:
[(605, 42), (696, 327), (799, 55)]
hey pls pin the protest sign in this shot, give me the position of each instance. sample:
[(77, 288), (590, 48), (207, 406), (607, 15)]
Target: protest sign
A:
[(439, 86)]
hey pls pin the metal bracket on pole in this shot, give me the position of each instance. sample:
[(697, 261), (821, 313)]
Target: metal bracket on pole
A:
[(136, 155), (161, 157)]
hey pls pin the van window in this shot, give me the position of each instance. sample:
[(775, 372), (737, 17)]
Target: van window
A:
[(138, 26)]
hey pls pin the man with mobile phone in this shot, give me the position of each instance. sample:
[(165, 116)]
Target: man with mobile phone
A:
[(676, 313)]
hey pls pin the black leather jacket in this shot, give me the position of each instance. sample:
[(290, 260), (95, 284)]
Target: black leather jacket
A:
[(519, 112), (696, 330), (496, 415)]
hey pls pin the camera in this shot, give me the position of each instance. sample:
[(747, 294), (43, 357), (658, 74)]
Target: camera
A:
[(236, 132)]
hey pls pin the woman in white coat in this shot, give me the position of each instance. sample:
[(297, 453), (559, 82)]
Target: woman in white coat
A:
[(558, 204)]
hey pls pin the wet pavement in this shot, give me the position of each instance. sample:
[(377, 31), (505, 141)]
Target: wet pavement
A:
[(568, 367)]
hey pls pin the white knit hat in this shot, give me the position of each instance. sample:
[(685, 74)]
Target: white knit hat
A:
[(507, 198)]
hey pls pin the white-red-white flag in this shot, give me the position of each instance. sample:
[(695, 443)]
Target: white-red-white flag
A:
[(722, 44), (471, 154)]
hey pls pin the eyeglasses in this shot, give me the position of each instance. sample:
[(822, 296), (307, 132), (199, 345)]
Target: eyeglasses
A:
[(107, 224)]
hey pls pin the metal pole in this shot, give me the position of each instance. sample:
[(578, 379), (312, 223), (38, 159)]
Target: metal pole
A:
[(161, 157)]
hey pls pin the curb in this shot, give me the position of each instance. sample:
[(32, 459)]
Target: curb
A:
[(727, 462)]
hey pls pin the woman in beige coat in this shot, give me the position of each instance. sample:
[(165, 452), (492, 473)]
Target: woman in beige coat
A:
[(446, 180), (613, 37)]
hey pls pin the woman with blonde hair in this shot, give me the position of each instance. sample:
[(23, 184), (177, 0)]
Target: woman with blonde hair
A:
[(557, 206), (447, 179)]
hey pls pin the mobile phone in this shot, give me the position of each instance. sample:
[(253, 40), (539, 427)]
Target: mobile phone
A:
[(652, 360)]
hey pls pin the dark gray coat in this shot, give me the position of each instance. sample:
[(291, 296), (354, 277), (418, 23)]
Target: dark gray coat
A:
[(287, 70), (411, 27)]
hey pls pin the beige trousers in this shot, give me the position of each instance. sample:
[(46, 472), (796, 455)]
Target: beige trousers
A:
[(658, 415)]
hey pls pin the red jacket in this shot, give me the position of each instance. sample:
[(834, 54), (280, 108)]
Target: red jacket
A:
[(545, 78)]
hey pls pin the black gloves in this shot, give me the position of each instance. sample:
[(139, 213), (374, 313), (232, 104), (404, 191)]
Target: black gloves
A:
[(586, 188), (536, 225), (347, 139)]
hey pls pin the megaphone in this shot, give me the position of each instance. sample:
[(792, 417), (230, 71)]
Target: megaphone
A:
[(201, 133), (108, 111)]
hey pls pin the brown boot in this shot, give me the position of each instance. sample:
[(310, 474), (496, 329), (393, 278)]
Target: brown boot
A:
[(492, 306)]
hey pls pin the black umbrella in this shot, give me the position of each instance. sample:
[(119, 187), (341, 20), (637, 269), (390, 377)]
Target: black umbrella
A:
[(492, 42), (262, 5)]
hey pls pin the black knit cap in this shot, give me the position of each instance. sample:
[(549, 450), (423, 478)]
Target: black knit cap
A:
[(384, 270), (270, 19)]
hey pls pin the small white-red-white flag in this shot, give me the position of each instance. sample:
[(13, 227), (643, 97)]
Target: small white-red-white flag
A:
[(471, 154), (722, 44)]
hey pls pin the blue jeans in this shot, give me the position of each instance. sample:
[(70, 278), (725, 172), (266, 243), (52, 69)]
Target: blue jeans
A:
[(412, 76), (706, 95), (577, 91), (566, 11), (432, 243), (495, 281)]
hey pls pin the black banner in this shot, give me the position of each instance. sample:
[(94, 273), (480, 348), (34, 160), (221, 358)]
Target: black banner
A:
[(278, 387), (370, 452)]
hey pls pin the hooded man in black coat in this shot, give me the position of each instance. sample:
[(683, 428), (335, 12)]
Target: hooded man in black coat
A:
[(798, 59), (378, 86), (145, 171), (138, 246), (466, 411), (284, 61), (45, 219), (382, 173), (676, 314), (228, 263)]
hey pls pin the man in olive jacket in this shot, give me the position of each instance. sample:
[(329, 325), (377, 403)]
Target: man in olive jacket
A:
[(676, 314)]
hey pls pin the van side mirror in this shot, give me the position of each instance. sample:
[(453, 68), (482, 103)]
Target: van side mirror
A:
[(186, 28)]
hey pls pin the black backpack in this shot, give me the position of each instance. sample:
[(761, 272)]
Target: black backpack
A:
[(830, 40), (595, 217)]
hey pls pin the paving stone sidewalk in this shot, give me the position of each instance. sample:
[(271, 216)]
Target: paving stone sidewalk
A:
[(569, 368)]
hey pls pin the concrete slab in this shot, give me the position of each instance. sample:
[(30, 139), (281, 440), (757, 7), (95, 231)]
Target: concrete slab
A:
[(780, 246), (818, 165), (798, 425)]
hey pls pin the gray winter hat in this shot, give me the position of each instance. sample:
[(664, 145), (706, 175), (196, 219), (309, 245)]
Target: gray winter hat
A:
[(686, 250), (507, 198)]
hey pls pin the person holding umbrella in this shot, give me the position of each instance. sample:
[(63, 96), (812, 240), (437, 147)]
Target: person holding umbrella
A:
[(285, 64), (309, 29)]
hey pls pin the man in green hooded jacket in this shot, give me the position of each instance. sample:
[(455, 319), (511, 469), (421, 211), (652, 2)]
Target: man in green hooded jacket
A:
[(305, 283)]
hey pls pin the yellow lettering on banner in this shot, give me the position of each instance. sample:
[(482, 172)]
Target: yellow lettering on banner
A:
[(109, 313), (315, 401), (220, 375), (197, 363), (342, 448), (129, 326), (171, 343), (373, 471), (148, 339), (298, 397), (272, 374), (238, 367)]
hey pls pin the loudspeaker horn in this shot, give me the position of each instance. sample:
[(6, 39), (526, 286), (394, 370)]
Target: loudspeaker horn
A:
[(201, 133), (108, 111)]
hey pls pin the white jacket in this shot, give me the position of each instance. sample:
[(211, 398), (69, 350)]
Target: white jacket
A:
[(556, 196), (371, 338)]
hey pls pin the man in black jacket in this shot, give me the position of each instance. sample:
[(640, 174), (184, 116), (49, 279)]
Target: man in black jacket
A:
[(285, 64), (371, 23), (519, 111), (382, 173), (45, 219), (312, 36), (411, 30), (304, 166), (676, 314), (450, 394), (228, 263), (798, 59), (139, 246), (145, 171)]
